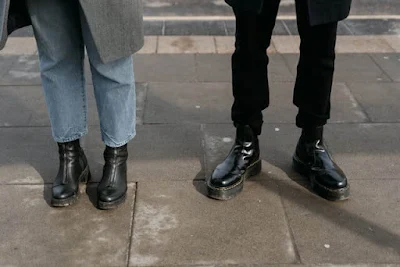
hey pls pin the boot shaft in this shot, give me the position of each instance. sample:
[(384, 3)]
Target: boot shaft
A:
[(116, 155)]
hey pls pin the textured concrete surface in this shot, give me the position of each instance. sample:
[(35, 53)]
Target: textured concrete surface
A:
[(199, 230), (184, 131), (33, 234)]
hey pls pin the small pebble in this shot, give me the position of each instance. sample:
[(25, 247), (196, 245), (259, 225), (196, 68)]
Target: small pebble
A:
[(327, 246), (197, 107), (277, 129)]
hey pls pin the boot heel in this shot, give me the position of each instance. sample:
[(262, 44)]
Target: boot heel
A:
[(85, 176), (255, 169), (299, 167)]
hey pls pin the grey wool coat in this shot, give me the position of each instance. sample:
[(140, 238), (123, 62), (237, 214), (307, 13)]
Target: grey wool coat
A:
[(320, 11), (116, 25)]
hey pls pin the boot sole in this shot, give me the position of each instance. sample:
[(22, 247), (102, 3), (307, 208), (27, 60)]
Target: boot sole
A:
[(104, 205), (227, 193), (84, 178), (321, 190)]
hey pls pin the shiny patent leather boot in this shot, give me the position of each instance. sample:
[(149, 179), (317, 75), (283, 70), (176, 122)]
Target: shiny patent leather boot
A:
[(242, 162), (112, 189), (313, 160), (73, 169)]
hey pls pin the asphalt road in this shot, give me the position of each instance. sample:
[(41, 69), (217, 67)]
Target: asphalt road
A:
[(218, 7)]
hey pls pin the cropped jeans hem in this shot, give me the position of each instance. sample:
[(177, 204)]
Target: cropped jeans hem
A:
[(110, 143), (72, 138)]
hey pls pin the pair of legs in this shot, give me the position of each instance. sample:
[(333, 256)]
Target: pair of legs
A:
[(251, 96), (62, 33), (314, 73)]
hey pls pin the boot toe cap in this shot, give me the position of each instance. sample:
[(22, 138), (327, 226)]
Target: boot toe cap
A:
[(332, 179), (62, 192), (220, 179), (110, 194)]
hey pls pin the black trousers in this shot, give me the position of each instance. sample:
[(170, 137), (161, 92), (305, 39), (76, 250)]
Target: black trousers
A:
[(315, 69)]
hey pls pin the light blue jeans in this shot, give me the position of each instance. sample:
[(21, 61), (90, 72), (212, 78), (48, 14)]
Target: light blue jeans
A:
[(61, 32)]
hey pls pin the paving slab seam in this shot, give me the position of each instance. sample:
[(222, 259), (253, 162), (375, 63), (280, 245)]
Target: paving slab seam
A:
[(203, 150), (146, 91), (380, 67), (291, 234), (132, 225), (360, 105)]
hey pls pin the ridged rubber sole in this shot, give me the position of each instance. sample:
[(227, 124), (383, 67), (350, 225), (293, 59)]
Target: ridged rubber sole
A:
[(227, 193), (84, 178), (103, 205), (323, 191)]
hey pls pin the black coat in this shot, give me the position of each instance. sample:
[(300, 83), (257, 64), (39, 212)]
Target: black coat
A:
[(13, 15), (321, 11)]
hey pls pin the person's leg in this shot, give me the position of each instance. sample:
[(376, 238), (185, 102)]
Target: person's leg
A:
[(251, 97), (312, 96), (114, 87), (315, 69), (58, 34), (250, 65)]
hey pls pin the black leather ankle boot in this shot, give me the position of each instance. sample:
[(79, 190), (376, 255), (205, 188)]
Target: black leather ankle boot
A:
[(73, 169), (113, 186), (313, 160), (242, 162)]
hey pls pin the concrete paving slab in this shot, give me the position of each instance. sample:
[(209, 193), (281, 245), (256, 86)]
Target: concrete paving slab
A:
[(204, 28), (394, 42), (158, 152), (366, 151), (363, 230), (373, 27), (277, 144), (214, 68), (19, 103), (26, 106), (390, 64), (349, 68), (292, 27), (6, 63), (344, 107), (19, 46), (211, 103), (225, 44), (186, 44), (29, 155), (278, 69), (217, 68), (188, 103), (25, 71), (165, 68), (286, 44), (150, 45), (379, 100), (38, 235), (175, 224), (153, 28), (362, 44)]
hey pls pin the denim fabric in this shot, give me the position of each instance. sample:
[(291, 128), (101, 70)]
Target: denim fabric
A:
[(61, 32)]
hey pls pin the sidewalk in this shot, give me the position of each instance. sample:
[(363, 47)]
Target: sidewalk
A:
[(184, 131)]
